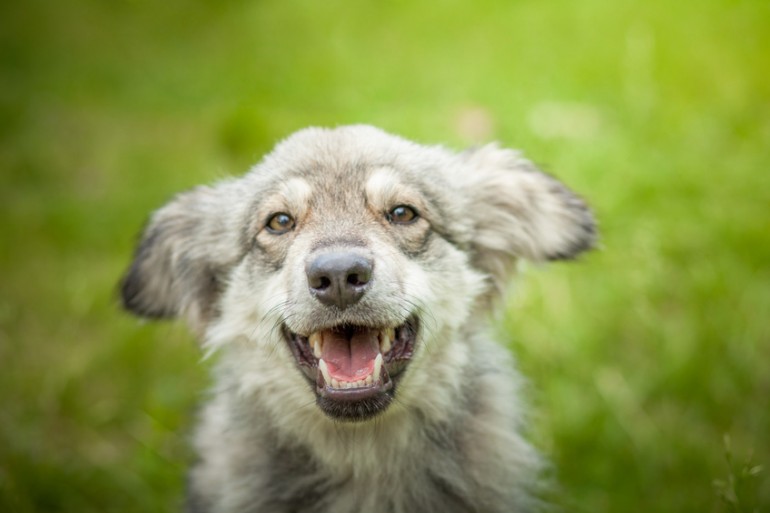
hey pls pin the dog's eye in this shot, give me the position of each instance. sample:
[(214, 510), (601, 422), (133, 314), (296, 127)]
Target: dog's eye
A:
[(402, 214), (280, 223)]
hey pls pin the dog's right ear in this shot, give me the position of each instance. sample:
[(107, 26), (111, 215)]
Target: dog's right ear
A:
[(520, 212), (183, 255)]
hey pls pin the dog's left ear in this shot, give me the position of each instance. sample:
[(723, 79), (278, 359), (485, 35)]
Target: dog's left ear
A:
[(521, 212), (184, 255)]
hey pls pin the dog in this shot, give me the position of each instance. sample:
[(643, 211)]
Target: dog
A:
[(345, 284)]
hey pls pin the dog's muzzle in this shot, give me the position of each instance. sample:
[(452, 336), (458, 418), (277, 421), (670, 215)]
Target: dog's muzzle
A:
[(353, 368)]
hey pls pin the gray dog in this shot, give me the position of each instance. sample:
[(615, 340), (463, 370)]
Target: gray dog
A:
[(345, 283)]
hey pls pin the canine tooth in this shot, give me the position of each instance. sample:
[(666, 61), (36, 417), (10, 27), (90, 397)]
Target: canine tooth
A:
[(315, 342), (386, 336), (377, 367), (324, 371)]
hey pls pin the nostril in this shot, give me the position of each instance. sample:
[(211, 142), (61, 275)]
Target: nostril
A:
[(355, 280), (319, 279)]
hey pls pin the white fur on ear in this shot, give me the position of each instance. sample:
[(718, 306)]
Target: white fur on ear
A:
[(183, 255), (519, 211)]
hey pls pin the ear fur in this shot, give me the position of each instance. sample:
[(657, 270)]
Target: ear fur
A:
[(519, 211), (183, 255)]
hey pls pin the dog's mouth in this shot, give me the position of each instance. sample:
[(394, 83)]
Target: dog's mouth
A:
[(354, 369)]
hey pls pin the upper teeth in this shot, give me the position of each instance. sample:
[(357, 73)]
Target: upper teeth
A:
[(386, 338), (315, 343)]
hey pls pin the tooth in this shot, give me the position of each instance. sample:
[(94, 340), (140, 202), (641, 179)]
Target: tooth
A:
[(361, 383), (377, 367), (315, 342), (335, 383), (386, 336), (324, 371), (368, 380)]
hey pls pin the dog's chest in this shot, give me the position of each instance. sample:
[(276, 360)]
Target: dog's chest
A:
[(373, 477), (389, 492)]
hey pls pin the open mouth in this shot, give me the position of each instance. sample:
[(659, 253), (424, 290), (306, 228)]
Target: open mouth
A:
[(354, 369)]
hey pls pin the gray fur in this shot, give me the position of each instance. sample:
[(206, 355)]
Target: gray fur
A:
[(450, 441)]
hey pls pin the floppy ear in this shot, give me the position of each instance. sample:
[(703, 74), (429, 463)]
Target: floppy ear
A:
[(183, 256), (518, 211)]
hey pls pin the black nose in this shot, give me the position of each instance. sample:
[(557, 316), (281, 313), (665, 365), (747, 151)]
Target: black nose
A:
[(339, 278)]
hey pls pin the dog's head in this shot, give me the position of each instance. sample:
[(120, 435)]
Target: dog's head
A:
[(351, 254)]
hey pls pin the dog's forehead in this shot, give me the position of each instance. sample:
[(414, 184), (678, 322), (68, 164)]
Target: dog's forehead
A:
[(337, 185), (346, 166)]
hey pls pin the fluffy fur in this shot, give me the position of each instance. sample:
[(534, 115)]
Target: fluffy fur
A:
[(447, 439)]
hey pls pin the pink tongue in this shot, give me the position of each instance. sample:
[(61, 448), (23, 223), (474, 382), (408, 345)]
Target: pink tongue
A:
[(350, 359)]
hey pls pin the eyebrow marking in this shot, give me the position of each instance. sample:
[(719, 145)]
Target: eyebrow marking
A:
[(295, 194), (382, 186), (384, 189)]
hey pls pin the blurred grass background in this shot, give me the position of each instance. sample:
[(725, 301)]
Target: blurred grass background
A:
[(649, 359)]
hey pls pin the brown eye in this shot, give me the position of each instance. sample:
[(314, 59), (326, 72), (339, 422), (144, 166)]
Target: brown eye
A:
[(402, 214), (280, 223)]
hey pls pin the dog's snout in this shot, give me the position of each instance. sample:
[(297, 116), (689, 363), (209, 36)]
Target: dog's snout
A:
[(339, 279)]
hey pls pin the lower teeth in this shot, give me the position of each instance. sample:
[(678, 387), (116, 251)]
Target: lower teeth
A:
[(343, 385)]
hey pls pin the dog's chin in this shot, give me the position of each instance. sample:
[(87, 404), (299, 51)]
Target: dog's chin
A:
[(354, 370)]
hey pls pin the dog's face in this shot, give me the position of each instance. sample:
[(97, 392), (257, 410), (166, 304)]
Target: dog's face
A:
[(352, 256)]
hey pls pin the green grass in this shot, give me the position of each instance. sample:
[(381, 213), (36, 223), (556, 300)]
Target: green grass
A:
[(642, 357)]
